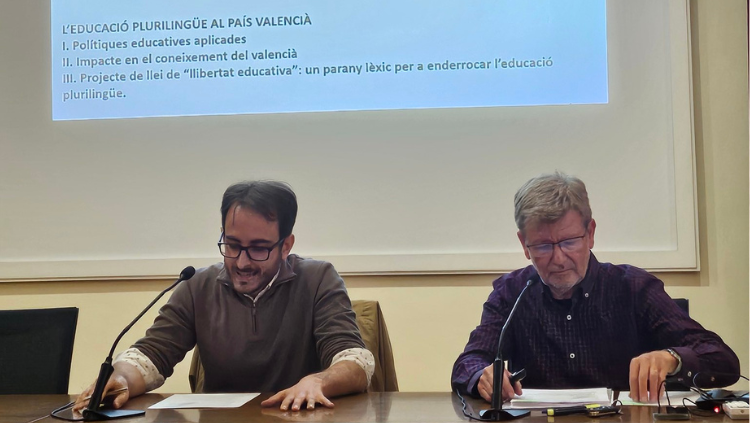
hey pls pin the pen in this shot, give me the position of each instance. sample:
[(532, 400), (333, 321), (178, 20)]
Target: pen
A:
[(564, 411), (110, 393)]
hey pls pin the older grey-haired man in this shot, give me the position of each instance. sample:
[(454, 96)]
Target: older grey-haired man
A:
[(588, 324)]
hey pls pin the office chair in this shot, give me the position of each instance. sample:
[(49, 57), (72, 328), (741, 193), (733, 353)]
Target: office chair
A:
[(684, 304), (375, 336), (36, 348)]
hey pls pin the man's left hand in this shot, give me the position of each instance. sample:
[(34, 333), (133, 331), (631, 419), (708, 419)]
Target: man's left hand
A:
[(647, 372), (309, 390)]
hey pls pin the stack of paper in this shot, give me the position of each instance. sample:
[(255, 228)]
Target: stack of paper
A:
[(534, 399)]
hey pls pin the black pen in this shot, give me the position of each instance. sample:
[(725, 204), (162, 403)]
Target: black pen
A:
[(564, 411)]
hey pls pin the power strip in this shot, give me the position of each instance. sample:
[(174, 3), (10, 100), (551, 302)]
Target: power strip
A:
[(737, 410)]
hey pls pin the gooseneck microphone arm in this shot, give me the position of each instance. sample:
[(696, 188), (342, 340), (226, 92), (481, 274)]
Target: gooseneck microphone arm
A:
[(496, 413), (93, 412)]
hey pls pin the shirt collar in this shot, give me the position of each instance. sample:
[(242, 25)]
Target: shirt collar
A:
[(587, 284), (284, 274), (263, 291)]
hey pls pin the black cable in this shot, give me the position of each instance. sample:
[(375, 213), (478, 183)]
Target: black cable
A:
[(695, 387), (55, 412), (746, 393), (658, 396), (463, 407), (666, 392), (707, 394), (469, 411), (703, 393)]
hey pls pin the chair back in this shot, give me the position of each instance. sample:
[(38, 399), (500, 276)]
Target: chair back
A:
[(374, 334), (196, 373), (36, 348), (684, 304)]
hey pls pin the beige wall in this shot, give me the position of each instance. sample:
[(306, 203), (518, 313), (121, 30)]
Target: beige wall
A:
[(430, 317)]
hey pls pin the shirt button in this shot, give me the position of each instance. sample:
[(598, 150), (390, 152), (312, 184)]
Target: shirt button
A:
[(586, 295), (569, 317), (690, 374), (572, 355)]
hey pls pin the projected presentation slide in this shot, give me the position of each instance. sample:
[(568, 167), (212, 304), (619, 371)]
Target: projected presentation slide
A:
[(141, 58)]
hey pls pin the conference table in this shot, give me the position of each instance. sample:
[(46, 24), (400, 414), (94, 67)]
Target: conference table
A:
[(403, 407)]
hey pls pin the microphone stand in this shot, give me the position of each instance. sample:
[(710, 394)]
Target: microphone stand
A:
[(496, 413), (94, 412)]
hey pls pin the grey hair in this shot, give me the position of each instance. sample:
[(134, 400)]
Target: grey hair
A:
[(546, 198)]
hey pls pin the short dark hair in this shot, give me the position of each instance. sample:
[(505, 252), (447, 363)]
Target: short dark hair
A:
[(274, 200)]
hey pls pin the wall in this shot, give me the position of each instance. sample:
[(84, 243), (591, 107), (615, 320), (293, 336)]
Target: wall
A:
[(108, 179), (430, 317)]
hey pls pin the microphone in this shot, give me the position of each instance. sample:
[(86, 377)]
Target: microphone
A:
[(94, 412), (496, 413)]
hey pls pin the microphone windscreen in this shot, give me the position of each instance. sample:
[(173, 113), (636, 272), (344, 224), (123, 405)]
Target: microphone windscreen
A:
[(534, 279), (187, 273)]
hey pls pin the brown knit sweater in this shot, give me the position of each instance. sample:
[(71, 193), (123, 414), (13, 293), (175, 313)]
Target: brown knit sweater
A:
[(295, 329)]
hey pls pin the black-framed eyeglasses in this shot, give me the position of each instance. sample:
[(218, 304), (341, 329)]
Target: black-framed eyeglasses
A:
[(569, 245), (254, 252)]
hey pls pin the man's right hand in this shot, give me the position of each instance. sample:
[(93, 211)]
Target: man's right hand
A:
[(125, 377), (115, 383), (484, 387)]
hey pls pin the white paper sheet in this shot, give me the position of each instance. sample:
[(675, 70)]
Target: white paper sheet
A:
[(675, 397), (203, 401)]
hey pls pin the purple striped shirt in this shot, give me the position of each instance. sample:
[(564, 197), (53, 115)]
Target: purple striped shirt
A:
[(617, 312)]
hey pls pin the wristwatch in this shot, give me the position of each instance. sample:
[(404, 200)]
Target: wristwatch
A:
[(679, 361)]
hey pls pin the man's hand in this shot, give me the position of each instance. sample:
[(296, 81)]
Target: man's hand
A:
[(115, 383), (484, 387), (341, 378), (309, 390), (647, 372), (125, 378)]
